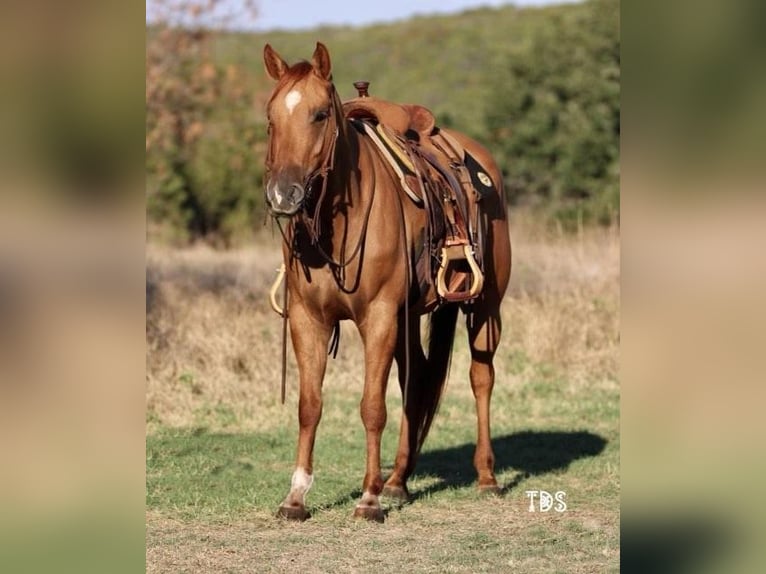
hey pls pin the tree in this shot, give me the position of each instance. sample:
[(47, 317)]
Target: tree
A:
[(554, 117), (203, 136)]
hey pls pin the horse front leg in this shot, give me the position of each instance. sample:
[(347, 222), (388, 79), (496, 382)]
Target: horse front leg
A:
[(378, 332), (310, 338)]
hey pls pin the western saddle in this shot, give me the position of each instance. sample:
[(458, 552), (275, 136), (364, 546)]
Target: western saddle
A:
[(440, 176)]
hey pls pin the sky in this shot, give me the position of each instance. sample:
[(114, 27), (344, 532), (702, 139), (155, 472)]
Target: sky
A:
[(301, 14)]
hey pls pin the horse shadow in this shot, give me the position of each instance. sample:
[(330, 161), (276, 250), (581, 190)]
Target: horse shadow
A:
[(530, 453)]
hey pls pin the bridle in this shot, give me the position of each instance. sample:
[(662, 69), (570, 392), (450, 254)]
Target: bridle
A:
[(323, 171), (313, 221)]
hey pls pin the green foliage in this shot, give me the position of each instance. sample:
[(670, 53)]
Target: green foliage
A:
[(554, 118), (540, 86), (226, 176), (446, 63), (204, 156)]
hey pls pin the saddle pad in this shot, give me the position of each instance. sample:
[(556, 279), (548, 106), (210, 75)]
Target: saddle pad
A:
[(393, 155), (401, 158)]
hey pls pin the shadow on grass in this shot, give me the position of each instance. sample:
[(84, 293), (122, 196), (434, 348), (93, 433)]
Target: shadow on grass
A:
[(191, 469), (529, 452)]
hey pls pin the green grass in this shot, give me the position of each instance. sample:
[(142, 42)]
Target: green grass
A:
[(212, 488), (195, 473)]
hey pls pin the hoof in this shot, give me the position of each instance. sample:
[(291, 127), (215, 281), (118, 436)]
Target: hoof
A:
[(296, 512), (490, 490), (396, 492), (371, 513)]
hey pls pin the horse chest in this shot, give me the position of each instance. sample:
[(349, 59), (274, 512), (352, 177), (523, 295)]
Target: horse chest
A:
[(331, 296)]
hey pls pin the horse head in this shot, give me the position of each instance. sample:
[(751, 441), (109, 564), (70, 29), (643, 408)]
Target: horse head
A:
[(303, 114)]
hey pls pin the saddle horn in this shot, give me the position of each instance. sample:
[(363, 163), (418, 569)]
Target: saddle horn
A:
[(361, 87)]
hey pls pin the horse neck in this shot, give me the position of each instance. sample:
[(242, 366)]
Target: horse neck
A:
[(339, 197), (344, 178), (345, 182)]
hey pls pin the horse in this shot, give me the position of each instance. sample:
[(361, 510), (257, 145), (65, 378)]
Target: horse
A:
[(350, 237)]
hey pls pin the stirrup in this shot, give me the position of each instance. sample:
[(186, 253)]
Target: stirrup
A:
[(458, 252)]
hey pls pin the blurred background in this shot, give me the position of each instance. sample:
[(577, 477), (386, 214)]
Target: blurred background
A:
[(71, 286), (547, 88), (693, 275)]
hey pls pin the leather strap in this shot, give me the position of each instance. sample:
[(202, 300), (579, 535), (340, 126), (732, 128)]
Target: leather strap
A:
[(284, 339)]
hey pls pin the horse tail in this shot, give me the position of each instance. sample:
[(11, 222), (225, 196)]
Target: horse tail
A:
[(441, 335)]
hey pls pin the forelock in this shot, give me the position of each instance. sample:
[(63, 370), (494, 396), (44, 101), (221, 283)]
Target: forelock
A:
[(292, 76)]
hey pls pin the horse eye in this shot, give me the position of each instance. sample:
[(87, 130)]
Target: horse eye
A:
[(321, 115)]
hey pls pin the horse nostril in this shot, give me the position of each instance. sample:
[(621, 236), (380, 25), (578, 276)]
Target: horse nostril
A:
[(295, 193)]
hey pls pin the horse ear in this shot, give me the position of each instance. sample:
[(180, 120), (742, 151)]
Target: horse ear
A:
[(275, 65), (321, 62)]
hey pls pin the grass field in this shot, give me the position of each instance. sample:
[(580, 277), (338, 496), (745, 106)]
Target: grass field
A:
[(220, 446)]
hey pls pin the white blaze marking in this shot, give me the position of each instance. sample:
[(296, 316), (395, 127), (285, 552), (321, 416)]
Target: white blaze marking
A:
[(292, 99), (301, 482)]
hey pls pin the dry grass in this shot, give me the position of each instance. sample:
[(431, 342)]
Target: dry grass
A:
[(564, 303), (213, 342), (502, 537), (213, 365)]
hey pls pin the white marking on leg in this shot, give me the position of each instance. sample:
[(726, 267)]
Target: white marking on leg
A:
[(292, 99), (368, 499), (301, 484)]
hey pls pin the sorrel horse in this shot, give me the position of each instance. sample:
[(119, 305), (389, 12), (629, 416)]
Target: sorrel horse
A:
[(349, 242)]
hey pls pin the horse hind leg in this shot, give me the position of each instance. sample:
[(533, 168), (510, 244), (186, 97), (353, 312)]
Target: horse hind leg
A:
[(424, 392), (484, 330), (406, 454)]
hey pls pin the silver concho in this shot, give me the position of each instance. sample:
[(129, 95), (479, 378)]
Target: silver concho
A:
[(484, 178)]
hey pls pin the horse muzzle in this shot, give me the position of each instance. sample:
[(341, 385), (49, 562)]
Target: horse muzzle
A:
[(284, 199)]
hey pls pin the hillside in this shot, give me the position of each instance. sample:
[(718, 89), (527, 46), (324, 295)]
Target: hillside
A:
[(540, 87), (447, 63)]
